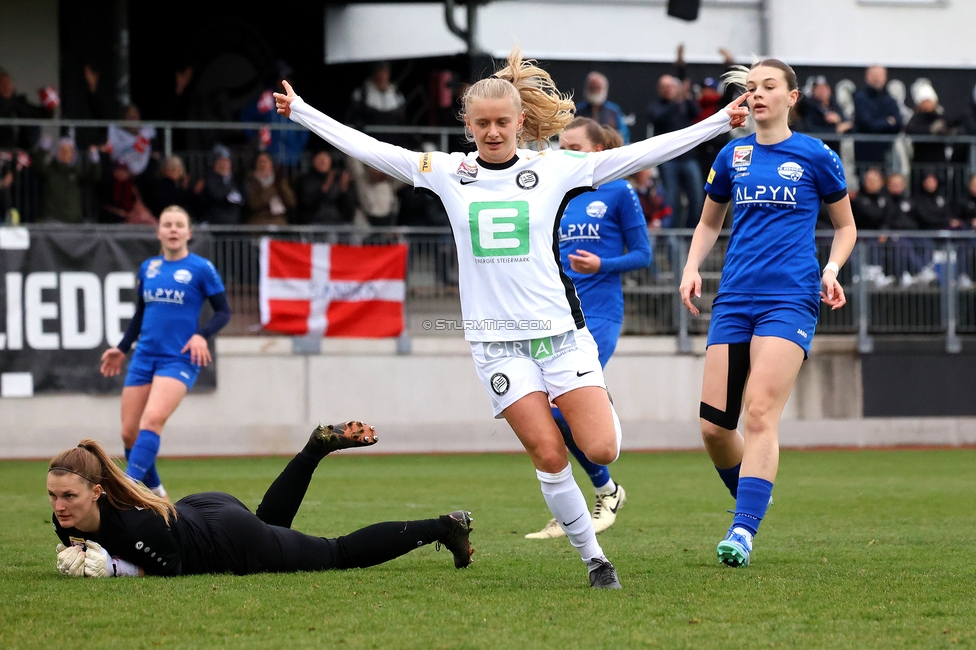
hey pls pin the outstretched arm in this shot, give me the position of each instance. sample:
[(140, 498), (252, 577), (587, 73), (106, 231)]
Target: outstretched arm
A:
[(387, 158), (624, 161)]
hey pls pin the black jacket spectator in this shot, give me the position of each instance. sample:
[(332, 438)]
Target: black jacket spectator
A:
[(965, 208), (669, 115), (901, 214), (932, 211), (323, 193), (222, 199), (927, 121), (870, 210), (877, 112), (14, 105)]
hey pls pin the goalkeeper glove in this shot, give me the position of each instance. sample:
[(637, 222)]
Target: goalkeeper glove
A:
[(99, 564), (71, 560)]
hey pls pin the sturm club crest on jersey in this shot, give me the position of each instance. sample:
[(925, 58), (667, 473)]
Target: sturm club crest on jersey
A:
[(467, 169), (527, 179), (790, 171), (500, 383)]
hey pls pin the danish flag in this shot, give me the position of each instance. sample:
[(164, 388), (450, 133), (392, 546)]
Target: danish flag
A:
[(332, 289)]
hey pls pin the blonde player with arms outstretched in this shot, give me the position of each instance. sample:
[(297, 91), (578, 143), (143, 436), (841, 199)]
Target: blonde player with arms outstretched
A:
[(522, 316)]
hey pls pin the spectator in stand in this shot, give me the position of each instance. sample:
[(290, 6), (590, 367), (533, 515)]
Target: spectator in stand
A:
[(596, 106), (657, 211), (222, 197), (174, 187), (875, 112), (133, 145), (819, 113), (870, 205), (14, 105), (269, 196), (901, 209), (376, 194), (965, 219), (63, 176), (927, 120), (932, 211), (121, 200), (965, 208), (323, 193), (6, 182), (676, 109), (380, 103), (906, 257), (285, 146)]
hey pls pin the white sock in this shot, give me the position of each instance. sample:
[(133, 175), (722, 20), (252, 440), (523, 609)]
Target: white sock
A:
[(609, 488), (568, 506)]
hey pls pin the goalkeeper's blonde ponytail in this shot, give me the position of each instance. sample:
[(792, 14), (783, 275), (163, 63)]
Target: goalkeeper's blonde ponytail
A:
[(91, 462)]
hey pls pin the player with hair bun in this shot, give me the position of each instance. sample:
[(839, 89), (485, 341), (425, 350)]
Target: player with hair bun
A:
[(110, 526), (522, 316), (602, 234), (172, 347), (767, 307)]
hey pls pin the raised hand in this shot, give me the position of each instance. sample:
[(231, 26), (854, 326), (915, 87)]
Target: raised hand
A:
[(736, 111), (283, 101)]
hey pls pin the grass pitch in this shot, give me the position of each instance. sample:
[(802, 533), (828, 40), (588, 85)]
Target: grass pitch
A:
[(862, 549)]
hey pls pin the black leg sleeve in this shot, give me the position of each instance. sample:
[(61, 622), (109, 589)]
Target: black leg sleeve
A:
[(383, 542), (282, 500)]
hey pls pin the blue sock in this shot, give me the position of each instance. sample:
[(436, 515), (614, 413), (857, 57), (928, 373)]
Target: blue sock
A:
[(599, 474), (730, 477), (751, 504), (151, 479), (143, 454)]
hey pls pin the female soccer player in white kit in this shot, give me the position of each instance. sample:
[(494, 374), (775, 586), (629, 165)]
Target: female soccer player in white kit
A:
[(768, 302), (522, 316)]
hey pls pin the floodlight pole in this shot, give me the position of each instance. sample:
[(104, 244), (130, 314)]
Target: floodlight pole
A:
[(470, 34), (764, 37)]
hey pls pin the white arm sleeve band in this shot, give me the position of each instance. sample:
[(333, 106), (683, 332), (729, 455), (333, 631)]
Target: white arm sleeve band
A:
[(123, 568), (630, 159), (387, 158)]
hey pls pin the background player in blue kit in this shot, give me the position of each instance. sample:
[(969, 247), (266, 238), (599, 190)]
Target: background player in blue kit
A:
[(766, 310), (602, 234), (172, 345)]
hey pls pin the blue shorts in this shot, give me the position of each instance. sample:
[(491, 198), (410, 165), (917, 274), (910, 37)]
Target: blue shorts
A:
[(605, 333), (143, 368), (736, 318)]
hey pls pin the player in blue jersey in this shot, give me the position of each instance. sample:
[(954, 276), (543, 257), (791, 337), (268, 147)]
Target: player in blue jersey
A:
[(766, 310), (172, 288), (602, 234)]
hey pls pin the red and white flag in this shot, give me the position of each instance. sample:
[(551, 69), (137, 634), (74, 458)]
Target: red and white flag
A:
[(332, 289)]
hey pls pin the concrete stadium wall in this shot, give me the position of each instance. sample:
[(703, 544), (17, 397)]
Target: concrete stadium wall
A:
[(268, 399)]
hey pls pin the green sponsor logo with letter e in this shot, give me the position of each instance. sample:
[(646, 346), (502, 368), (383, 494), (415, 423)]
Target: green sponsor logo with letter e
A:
[(499, 228)]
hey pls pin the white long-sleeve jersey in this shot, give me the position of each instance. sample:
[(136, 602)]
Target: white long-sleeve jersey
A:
[(505, 216)]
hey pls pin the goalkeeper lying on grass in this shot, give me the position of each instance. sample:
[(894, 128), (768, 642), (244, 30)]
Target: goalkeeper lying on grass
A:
[(110, 526)]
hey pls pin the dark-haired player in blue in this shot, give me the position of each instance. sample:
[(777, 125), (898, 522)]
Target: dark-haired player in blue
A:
[(172, 345), (602, 234), (768, 301)]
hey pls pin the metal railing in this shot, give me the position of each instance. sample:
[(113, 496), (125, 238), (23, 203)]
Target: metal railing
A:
[(896, 283)]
